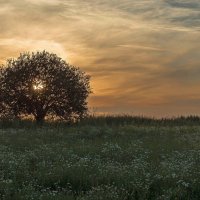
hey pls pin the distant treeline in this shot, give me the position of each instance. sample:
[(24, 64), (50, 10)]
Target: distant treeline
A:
[(108, 120)]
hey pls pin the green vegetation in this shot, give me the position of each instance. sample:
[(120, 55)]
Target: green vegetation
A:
[(102, 158)]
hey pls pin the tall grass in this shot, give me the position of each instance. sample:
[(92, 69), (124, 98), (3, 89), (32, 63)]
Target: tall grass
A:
[(101, 158), (108, 120), (118, 120)]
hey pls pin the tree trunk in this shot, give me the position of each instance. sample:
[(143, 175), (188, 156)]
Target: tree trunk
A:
[(40, 119)]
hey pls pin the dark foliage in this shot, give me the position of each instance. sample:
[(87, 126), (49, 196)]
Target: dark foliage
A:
[(43, 85)]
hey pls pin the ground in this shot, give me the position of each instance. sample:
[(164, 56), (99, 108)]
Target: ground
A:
[(100, 162)]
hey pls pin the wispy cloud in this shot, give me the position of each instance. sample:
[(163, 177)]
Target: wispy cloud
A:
[(34, 45), (141, 47), (140, 54)]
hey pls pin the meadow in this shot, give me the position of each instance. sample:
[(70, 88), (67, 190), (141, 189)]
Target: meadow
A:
[(101, 158)]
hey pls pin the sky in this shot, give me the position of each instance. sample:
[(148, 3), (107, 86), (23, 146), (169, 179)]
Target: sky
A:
[(143, 55)]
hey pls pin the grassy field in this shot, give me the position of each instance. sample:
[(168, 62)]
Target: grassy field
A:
[(102, 158)]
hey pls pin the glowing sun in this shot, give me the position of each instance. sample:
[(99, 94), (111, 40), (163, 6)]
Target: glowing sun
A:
[(38, 85)]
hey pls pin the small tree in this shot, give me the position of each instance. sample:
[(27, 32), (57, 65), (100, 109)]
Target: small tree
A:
[(42, 84)]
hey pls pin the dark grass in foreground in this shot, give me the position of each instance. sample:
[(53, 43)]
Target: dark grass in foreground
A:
[(102, 158)]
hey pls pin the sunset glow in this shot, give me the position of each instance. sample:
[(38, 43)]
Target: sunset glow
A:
[(38, 85), (143, 56)]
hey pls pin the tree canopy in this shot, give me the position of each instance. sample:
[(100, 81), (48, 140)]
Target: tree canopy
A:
[(41, 84)]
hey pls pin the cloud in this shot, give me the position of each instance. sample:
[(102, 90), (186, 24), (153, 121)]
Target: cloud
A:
[(140, 54), (194, 4), (49, 2), (28, 44), (141, 47)]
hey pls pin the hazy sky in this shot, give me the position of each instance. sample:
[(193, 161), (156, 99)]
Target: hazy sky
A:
[(143, 55)]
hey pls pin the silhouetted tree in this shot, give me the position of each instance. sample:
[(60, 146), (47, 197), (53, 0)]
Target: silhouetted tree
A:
[(42, 84)]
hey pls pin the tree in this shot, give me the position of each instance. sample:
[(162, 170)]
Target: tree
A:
[(41, 84)]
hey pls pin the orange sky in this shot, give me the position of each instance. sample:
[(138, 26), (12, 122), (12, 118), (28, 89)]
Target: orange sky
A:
[(143, 56)]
